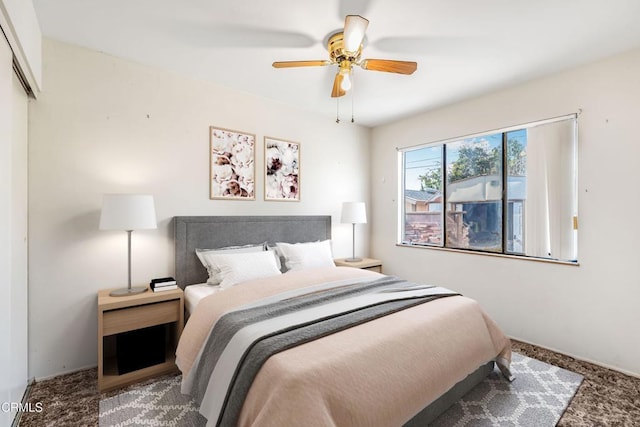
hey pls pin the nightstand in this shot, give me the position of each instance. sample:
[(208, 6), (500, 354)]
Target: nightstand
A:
[(366, 264), (137, 336)]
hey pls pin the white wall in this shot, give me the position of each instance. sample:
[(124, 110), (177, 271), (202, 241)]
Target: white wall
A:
[(590, 311), (104, 125)]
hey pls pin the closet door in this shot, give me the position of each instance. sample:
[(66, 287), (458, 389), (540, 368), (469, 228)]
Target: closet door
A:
[(13, 235), (19, 225)]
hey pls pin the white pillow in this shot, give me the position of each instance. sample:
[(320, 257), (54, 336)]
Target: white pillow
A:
[(299, 256), (214, 272), (242, 266)]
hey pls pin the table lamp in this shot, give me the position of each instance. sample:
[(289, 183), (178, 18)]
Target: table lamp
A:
[(354, 213), (128, 212)]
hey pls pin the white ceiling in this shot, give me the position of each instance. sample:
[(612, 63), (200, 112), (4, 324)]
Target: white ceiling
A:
[(464, 48)]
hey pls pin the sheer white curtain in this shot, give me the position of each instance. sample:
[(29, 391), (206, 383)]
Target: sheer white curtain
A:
[(550, 201)]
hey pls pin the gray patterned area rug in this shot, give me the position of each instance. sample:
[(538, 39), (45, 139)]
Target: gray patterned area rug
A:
[(156, 404), (537, 397)]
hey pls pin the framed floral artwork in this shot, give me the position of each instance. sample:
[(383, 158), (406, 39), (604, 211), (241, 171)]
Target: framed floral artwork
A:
[(282, 170), (232, 164)]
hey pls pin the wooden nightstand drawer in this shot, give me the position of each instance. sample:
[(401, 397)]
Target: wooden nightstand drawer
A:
[(142, 316)]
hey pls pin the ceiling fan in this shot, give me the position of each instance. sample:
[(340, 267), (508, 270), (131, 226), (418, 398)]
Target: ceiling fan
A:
[(345, 50)]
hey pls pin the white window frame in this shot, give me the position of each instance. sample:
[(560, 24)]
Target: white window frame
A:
[(401, 193)]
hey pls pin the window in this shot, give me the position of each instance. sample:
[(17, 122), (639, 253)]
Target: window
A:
[(511, 191)]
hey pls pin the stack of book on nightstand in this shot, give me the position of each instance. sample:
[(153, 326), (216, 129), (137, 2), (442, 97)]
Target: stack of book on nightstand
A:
[(163, 284)]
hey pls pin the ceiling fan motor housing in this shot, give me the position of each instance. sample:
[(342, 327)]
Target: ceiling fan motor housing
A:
[(337, 52)]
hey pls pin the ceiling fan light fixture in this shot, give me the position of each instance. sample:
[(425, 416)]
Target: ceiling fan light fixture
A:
[(355, 27)]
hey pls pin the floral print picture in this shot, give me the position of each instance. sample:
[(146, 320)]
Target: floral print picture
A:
[(282, 170), (232, 164)]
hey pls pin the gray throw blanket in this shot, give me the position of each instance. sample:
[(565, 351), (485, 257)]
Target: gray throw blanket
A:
[(358, 303)]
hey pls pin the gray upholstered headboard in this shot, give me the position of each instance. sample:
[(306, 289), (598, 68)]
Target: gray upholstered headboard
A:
[(211, 232)]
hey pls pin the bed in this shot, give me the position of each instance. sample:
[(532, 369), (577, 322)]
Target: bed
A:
[(404, 367)]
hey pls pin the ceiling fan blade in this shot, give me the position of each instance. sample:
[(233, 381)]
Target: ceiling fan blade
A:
[(389, 66), (433, 45), (208, 35), (353, 7), (291, 64), (337, 90), (354, 28)]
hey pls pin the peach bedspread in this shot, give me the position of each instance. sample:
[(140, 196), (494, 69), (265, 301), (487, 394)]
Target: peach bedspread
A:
[(380, 373)]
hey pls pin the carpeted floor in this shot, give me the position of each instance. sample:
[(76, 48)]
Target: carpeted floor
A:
[(605, 398)]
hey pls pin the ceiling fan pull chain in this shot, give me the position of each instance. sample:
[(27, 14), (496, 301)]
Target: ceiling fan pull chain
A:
[(353, 95), (337, 110)]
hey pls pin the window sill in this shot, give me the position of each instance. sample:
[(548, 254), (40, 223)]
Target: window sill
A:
[(471, 252)]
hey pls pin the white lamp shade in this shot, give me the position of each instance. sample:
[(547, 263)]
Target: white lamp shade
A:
[(127, 212), (354, 213)]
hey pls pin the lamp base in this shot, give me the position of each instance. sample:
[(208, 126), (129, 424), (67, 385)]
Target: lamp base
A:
[(123, 292), (353, 259)]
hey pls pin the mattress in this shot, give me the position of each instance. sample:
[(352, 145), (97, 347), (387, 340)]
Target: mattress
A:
[(193, 294)]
